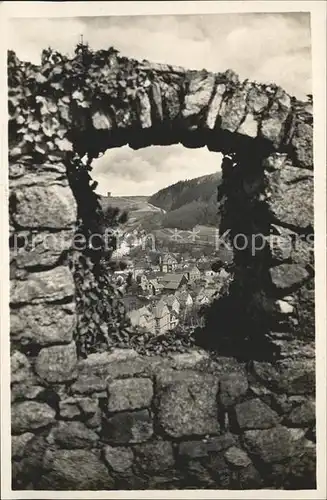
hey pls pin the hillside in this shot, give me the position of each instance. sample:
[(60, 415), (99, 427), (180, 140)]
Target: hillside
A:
[(129, 203), (190, 202), (202, 188), (183, 205)]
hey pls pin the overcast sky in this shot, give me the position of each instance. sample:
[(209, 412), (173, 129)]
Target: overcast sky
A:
[(263, 47)]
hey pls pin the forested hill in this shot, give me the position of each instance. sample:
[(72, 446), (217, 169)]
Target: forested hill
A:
[(184, 192), (190, 202), (183, 205)]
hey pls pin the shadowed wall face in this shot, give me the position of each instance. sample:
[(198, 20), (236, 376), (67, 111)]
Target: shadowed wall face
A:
[(65, 109)]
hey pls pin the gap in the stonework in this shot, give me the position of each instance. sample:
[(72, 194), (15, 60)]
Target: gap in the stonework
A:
[(169, 241)]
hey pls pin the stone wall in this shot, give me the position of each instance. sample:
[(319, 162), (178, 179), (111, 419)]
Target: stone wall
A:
[(42, 225), (148, 422), (122, 421), (267, 219)]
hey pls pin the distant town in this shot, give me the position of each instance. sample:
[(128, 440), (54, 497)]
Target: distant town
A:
[(166, 290), (169, 244)]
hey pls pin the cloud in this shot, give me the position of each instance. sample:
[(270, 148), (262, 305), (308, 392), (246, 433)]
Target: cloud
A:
[(248, 43), (125, 171), (274, 47)]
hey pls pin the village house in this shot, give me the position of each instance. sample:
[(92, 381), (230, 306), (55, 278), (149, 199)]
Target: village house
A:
[(172, 302), (166, 317), (184, 298), (173, 281), (162, 318), (192, 273), (167, 263), (143, 318), (173, 320), (155, 288), (139, 268), (143, 282)]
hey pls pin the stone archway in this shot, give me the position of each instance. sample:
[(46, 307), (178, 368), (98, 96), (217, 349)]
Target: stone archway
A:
[(64, 109)]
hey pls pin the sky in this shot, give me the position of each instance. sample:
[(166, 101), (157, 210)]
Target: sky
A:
[(263, 47)]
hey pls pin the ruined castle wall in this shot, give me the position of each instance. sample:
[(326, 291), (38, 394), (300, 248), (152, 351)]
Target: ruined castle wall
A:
[(123, 421), (88, 431)]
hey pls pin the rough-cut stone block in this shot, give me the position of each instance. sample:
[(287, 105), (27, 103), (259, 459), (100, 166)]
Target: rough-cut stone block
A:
[(214, 106), (144, 108), (73, 435), (129, 394), (18, 444), (118, 458), (98, 363), (303, 415), (33, 455), (88, 384), (51, 206), (156, 101), (42, 249), (272, 126), (69, 409), (189, 360), (43, 325), (233, 110), (303, 250), (280, 247), (237, 457), (88, 406), (270, 445), (231, 387), (155, 456), (57, 363), (274, 162), (30, 415), (197, 449), (257, 99), (21, 370), (199, 93), (302, 142), (75, 470), (254, 414), (271, 129), (123, 369), (187, 403), (171, 100), (249, 127), (294, 204), (290, 174), (287, 276), (45, 286), (289, 376), (26, 390), (128, 427), (94, 421)]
